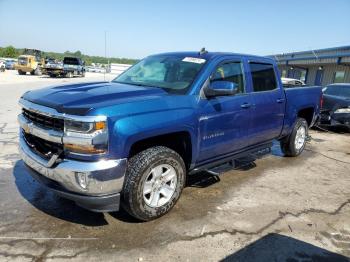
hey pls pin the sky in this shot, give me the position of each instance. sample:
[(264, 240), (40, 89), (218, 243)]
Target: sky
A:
[(136, 28)]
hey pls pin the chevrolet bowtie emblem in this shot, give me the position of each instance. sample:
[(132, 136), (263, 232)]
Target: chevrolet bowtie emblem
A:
[(27, 128)]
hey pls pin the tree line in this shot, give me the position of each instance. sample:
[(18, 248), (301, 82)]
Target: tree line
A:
[(12, 52)]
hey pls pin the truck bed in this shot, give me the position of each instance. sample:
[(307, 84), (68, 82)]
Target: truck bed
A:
[(301, 97)]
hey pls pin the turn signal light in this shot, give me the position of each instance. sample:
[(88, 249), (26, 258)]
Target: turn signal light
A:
[(88, 149), (100, 125)]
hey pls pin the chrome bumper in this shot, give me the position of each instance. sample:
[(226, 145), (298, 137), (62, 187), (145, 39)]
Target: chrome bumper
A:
[(103, 177)]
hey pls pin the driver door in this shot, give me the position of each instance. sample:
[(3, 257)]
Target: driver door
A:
[(224, 121)]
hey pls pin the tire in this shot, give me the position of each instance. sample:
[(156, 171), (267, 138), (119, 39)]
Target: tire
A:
[(20, 72), (140, 200), (295, 143), (37, 71), (32, 72)]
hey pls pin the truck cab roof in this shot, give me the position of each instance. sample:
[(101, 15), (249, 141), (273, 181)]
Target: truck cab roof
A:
[(214, 55)]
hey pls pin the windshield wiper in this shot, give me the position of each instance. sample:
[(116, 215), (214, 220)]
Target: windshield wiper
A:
[(137, 84)]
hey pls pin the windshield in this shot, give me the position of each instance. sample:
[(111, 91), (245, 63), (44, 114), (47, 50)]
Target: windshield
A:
[(343, 91), (174, 74), (22, 60)]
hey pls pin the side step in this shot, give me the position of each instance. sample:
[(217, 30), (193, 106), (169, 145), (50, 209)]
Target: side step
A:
[(228, 163)]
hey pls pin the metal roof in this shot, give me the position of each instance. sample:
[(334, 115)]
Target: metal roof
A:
[(333, 55)]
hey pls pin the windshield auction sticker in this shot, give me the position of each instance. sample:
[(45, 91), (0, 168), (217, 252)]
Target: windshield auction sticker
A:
[(194, 60)]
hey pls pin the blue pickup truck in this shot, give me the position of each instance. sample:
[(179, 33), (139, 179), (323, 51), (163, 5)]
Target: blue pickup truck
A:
[(133, 141)]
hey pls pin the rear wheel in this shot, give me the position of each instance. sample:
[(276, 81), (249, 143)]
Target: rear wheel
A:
[(20, 72), (154, 181), (295, 143)]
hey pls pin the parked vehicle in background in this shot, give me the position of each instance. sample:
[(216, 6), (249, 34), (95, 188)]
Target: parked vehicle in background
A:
[(95, 69), (134, 140), (335, 110), (53, 68), (10, 64), (291, 82), (70, 67), (30, 62), (2, 66), (73, 66)]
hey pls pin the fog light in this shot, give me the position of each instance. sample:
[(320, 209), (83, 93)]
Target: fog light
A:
[(82, 179)]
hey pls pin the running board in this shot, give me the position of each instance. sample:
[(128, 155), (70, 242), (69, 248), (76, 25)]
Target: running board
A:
[(227, 163)]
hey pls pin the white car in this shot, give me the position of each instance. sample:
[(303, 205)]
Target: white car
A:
[(2, 65), (291, 82)]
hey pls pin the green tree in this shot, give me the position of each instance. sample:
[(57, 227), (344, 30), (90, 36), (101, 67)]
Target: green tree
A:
[(9, 51), (77, 54)]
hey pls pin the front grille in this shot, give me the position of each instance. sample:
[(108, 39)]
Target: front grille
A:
[(44, 121), (42, 147)]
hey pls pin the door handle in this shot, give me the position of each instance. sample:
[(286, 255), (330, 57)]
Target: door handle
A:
[(280, 100), (246, 105)]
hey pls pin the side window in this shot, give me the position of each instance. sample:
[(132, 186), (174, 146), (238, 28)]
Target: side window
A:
[(231, 72), (339, 77), (263, 76)]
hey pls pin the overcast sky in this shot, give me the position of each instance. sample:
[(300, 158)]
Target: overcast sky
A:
[(138, 28)]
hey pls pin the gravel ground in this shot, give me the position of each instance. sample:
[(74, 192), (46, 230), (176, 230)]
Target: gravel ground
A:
[(272, 209)]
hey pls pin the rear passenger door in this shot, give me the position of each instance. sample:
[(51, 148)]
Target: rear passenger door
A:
[(268, 102)]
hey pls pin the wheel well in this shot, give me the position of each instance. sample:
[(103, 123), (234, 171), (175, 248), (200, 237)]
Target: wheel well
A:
[(180, 142), (307, 114)]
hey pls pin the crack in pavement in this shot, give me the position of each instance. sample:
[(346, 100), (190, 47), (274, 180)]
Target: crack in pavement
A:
[(13, 256), (331, 158), (66, 256), (48, 247), (281, 216)]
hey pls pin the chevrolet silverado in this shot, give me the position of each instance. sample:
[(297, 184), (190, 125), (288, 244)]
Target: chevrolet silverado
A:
[(134, 140)]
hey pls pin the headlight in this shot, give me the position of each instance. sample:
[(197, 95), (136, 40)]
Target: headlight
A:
[(85, 137), (83, 127), (342, 110)]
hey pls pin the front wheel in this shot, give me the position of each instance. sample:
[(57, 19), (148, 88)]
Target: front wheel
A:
[(37, 72), (154, 181), (295, 143)]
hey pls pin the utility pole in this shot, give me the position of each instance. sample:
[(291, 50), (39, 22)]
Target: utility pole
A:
[(104, 72)]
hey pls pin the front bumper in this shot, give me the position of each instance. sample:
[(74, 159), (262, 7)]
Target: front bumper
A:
[(104, 179)]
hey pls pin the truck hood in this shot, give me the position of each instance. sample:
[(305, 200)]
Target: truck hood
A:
[(79, 99)]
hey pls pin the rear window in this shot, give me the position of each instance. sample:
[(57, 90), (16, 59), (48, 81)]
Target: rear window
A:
[(263, 76), (343, 91), (71, 61)]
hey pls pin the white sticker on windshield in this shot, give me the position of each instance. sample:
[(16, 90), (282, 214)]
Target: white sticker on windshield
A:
[(194, 60)]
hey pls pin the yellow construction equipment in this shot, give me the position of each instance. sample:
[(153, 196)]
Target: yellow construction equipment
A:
[(30, 62)]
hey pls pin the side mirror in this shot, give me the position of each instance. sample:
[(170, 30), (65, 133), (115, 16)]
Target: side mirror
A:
[(221, 88)]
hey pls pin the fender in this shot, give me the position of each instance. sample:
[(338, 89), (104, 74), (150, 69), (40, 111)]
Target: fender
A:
[(131, 129)]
